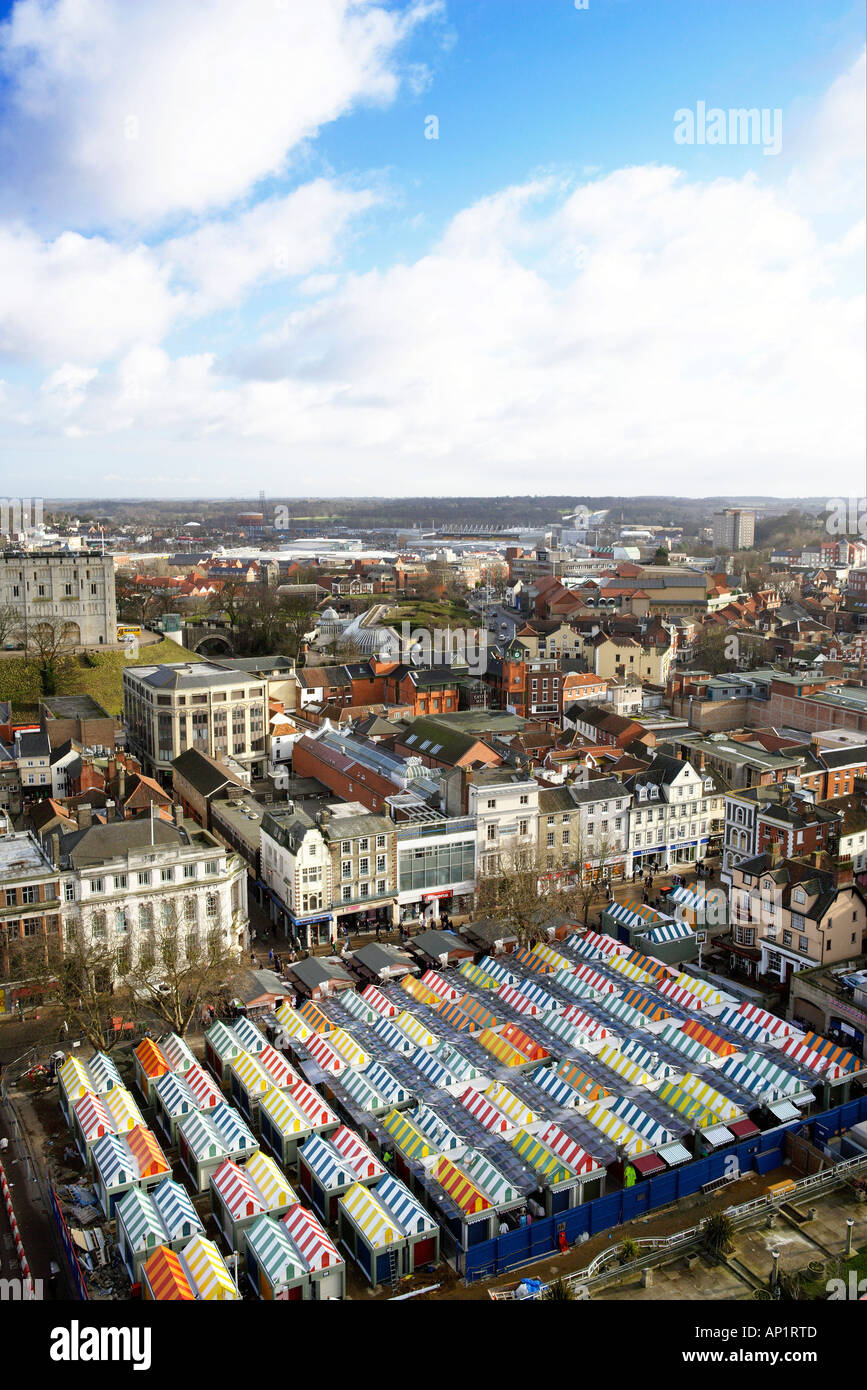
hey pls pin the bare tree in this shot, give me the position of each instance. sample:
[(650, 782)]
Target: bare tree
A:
[(49, 643), (79, 975), (176, 970), (511, 892), (10, 620), (590, 870)]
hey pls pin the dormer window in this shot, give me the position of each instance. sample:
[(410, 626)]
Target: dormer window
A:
[(799, 896)]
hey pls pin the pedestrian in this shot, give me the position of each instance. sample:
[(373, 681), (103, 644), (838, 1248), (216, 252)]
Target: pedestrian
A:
[(271, 956), (277, 965), (252, 957)]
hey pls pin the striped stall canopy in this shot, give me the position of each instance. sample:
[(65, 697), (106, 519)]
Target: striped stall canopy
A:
[(516, 1000), (92, 1118), (554, 1086), (528, 958), (311, 1239), (147, 1153), (617, 1130), (488, 1179), (624, 966), (410, 985), (355, 1005), (670, 989), (174, 1095), (434, 1127), (675, 1038), (482, 979), (396, 1197), (532, 1050), (459, 1065), (313, 1015), (432, 1068), (312, 1106), (635, 1049), (203, 1088), (329, 1166), (554, 958), (410, 1140), (506, 1100), (538, 996), (232, 1127), (651, 1008), (585, 1023), (633, 913), (702, 990), (293, 1024), (569, 1149), (440, 986), (507, 1055), (769, 1076), (103, 1073), (327, 1056), (458, 1018), (775, 1027), (798, 1051), (552, 1168), (600, 983), (251, 1038), (166, 1276), (653, 967), (639, 1120), (201, 1136), (275, 1066), (274, 1251), (151, 1060), (415, 1030), (566, 1031), (498, 972), (114, 1161), (749, 1028), (283, 1112), (361, 1160), (208, 1270), (623, 1012), (587, 1086), (176, 1052), (834, 1054), (141, 1218), (462, 1191), (676, 1098), (387, 1085), (477, 1011), (392, 1037), (365, 1095), (75, 1079), (251, 1074), (714, 1100), (223, 1042), (696, 900), (630, 1071), (569, 980), (720, 1047), (487, 1114), (669, 931), (270, 1181), (237, 1190), (176, 1210), (377, 1000), (595, 943), (348, 1048), (376, 1224), (123, 1110)]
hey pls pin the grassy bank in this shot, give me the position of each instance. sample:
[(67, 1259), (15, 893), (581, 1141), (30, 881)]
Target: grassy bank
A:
[(99, 674)]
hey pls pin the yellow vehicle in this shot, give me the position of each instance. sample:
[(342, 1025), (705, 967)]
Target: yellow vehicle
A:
[(127, 630)]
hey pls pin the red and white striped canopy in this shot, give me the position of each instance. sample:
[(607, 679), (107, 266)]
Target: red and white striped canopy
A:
[(440, 986), (568, 1149), (678, 995), (596, 981), (356, 1154), (591, 1027), (310, 1238), (487, 1114), (377, 1000), (517, 1000), (777, 1027), (237, 1191)]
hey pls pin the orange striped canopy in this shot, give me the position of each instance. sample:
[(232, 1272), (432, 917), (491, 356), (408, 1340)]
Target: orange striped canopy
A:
[(316, 1018), (501, 1049), (476, 1009), (585, 1084), (147, 1153), (712, 1041), (420, 991), (532, 1050), (151, 1059), (165, 1278)]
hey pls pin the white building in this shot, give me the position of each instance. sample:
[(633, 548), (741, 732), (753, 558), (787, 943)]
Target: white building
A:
[(64, 593), (672, 810), (505, 805)]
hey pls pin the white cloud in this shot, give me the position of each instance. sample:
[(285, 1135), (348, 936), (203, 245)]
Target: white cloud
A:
[(79, 297), (119, 112)]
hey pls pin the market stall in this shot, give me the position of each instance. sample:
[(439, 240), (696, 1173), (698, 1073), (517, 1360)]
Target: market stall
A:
[(378, 1001), (207, 1271), (273, 1265), (146, 1220), (177, 1053), (241, 1192), (222, 1046), (510, 1104), (282, 1125), (587, 1086), (327, 1167), (371, 1234), (207, 1138), (421, 1232), (325, 1266), (149, 1065)]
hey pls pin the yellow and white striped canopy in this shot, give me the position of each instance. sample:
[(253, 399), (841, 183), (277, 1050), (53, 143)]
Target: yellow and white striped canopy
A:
[(122, 1109), (629, 969), (76, 1081), (701, 989), (280, 1108), (508, 1102), (546, 952), (415, 1030), (714, 1100), (616, 1130), (270, 1180), (624, 1066), (209, 1270), (370, 1216), (293, 1023), (348, 1048), (251, 1074)]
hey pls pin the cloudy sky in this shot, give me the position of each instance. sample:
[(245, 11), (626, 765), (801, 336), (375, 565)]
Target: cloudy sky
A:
[(327, 247)]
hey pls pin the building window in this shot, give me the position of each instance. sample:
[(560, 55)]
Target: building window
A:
[(96, 886), (167, 875), (144, 878), (189, 871), (212, 904), (346, 894)]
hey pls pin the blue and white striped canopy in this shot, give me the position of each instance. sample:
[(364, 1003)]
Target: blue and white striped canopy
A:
[(326, 1163), (434, 1070), (669, 931), (553, 1085), (497, 971), (639, 1120), (176, 1209), (379, 1076), (399, 1201), (392, 1037)]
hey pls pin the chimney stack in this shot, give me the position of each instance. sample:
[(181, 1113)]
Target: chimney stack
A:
[(84, 816), (177, 813)]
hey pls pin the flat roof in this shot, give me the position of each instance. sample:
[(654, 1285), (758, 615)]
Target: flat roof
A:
[(21, 854), (71, 706)]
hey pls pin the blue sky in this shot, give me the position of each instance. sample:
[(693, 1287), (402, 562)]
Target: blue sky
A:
[(230, 259)]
